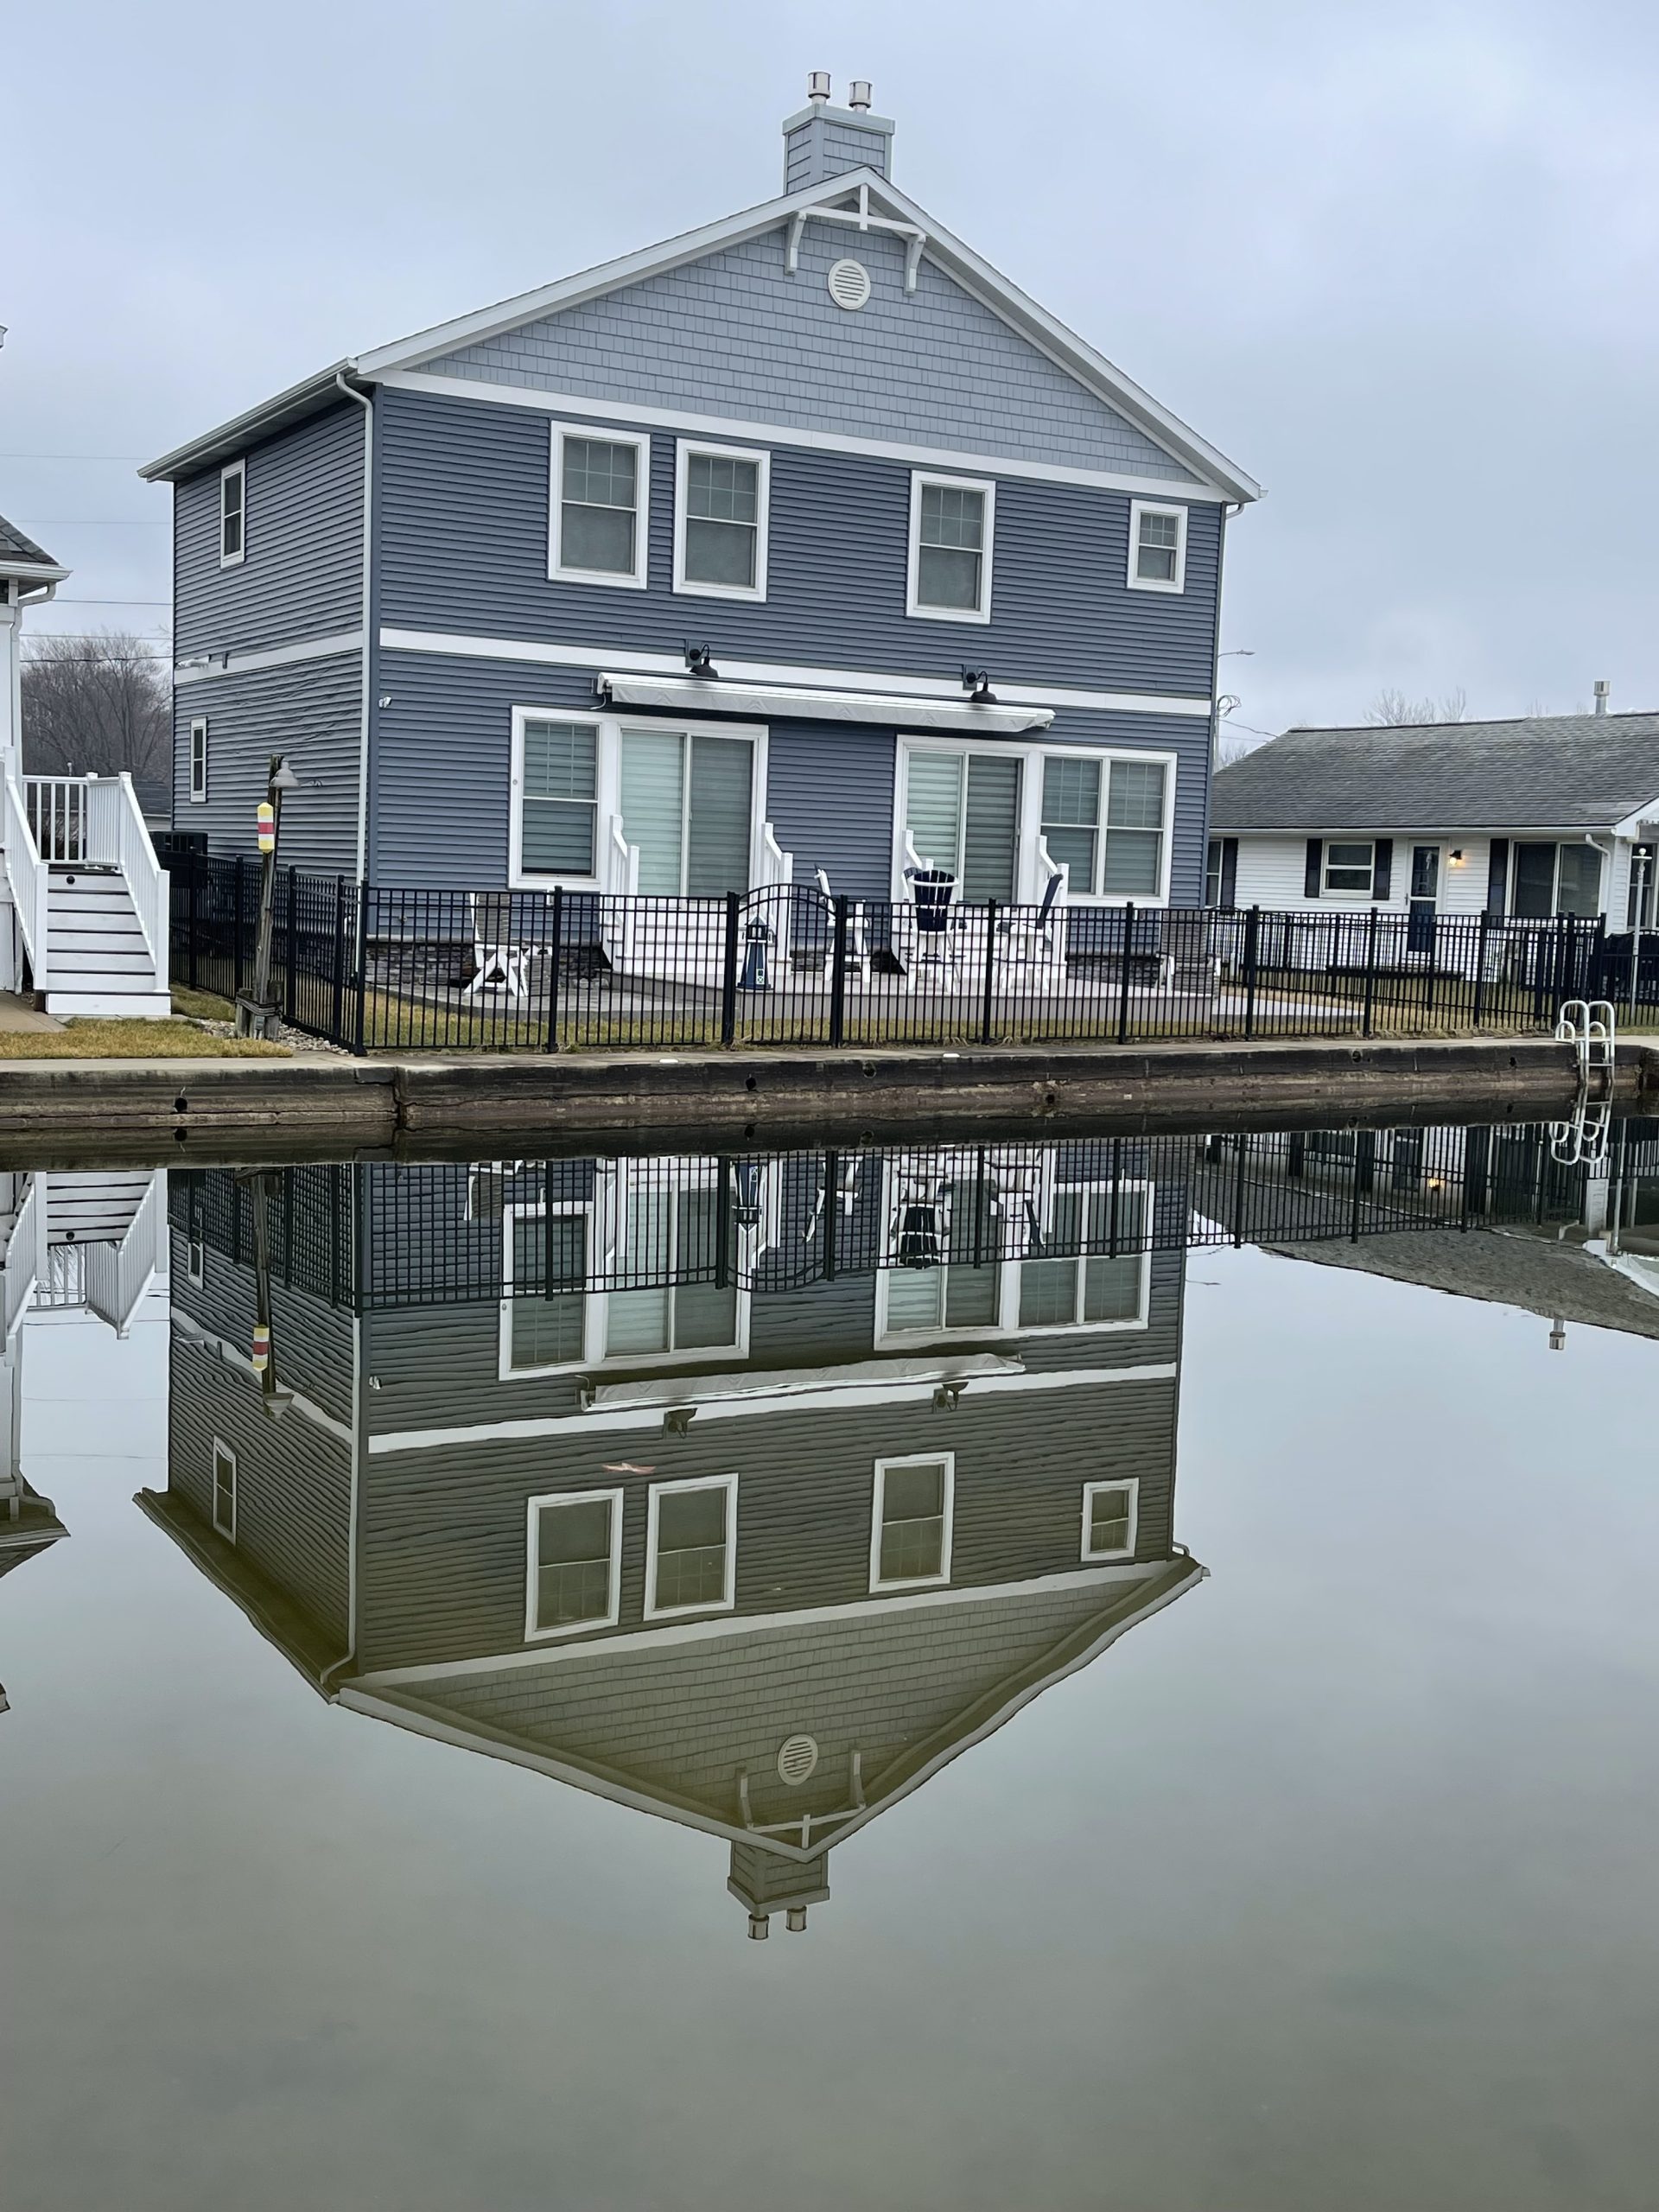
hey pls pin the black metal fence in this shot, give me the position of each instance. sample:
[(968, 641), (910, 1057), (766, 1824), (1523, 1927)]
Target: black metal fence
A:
[(374, 968)]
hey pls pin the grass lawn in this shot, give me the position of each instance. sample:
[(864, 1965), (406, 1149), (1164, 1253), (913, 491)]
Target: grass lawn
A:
[(133, 1040)]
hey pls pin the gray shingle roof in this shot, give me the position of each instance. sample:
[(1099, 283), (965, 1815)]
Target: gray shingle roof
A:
[(15, 546), (1555, 771)]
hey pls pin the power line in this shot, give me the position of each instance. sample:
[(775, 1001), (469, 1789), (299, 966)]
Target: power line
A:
[(96, 521), (111, 602), (71, 456)]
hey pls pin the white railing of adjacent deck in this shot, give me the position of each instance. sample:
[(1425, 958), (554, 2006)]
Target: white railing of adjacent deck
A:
[(92, 822), (118, 1275), (21, 1264), (26, 872)]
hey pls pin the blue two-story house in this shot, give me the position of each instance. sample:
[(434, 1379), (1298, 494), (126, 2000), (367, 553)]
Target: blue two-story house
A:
[(802, 543)]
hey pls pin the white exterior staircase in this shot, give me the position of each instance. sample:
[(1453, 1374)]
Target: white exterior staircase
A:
[(113, 1226), (89, 896)]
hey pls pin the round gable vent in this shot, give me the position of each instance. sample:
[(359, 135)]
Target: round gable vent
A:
[(796, 1760), (850, 284)]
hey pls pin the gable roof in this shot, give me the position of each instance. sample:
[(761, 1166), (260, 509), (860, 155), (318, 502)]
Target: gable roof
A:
[(21, 556), (1551, 771), (1210, 467)]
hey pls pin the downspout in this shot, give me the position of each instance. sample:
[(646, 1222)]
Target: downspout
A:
[(1228, 509), (350, 391)]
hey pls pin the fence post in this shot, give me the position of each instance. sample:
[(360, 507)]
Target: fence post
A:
[(728, 974), (194, 910), (990, 971), (1123, 984), (1370, 970), (1599, 988), (362, 978), (1482, 934), (555, 960), (338, 1009), (838, 978), (236, 935), (1252, 936), (288, 996)]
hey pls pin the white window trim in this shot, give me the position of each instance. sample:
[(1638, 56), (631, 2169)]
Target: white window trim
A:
[(1603, 884), (611, 729), (221, 1447), (1091, 1491), (199, 787), (684, 451), (1031, 803), (920, 480), (609, 435), (533, 1632), (1136, 583), (195, 1258), (723, 1603), (1327, 890), (506, 1370), (239, 469), (878, 1496)]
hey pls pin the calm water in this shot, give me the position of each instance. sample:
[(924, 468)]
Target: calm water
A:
[(1201, 1699)]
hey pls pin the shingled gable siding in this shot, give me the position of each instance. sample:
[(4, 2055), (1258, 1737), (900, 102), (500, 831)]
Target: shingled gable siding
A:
[(462, 546), (734, 335), (311, 711), (442, 1548), (303, 575)]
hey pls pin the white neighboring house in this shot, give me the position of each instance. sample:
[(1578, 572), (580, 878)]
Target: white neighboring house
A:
[(1547, 815), (84, 900)]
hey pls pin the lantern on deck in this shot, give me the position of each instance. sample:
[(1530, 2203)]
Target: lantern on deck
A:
[(267, 821)]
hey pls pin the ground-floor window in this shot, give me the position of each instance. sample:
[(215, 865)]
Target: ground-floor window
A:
[(1556, 878), (1096, 1269), (910, 1537)]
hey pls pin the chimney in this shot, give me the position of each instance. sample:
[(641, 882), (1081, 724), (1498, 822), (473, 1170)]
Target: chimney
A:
[(1601, 694), (822, 140)]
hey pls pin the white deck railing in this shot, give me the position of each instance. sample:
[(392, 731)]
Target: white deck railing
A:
[(91, 822), (118, 1275), (21, 1264), (26, 872), (144, 874)]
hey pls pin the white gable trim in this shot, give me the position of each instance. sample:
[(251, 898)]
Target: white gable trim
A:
[(976, 276), (1169, 490)]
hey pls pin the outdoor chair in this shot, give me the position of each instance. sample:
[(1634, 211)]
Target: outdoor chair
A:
[(858, 951), (1032, 939), (499, 965)]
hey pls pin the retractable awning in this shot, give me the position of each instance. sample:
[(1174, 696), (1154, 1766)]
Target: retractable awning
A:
[(685, 695)]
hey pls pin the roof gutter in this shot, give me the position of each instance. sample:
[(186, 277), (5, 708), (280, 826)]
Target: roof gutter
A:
[(235, 435)]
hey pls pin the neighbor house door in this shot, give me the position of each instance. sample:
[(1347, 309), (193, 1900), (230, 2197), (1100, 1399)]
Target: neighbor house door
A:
[(1425, 890)]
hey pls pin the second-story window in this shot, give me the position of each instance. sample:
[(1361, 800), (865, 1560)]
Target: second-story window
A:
[(600, 499), (720, 535), (950, 530), (1157, 546), (232, 514)]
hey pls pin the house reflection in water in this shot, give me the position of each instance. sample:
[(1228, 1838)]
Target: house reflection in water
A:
[(748, 1493)]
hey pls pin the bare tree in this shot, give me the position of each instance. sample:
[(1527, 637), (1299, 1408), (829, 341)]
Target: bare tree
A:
[(1394, 709), (95, 705)]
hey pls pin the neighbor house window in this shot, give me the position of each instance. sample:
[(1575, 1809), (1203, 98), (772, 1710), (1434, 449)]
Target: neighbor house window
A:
[(1108, 820), (600, 503), (950, 530), (1094, 1266), (225, 1490), (1157, 546), (575, 1554), (232, 514), (691, 1546), (199, 758), (720, 529), (544, 1296), (559, 824), (1351, 867), (1108, 1518), (910, 1539)]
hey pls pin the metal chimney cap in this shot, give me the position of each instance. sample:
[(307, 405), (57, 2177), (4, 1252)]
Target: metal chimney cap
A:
[(1601, 688), (817, 85), (859, 96)]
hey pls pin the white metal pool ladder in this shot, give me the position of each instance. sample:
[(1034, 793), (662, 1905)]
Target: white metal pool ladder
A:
[(1591, 1027)]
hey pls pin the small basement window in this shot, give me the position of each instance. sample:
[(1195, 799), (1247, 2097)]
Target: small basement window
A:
[(1157, 546), (951, 522), (198, 759), (232, 514)]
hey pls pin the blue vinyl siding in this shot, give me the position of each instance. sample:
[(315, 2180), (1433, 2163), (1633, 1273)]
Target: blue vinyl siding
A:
[(302, 574), (463, 545), (829, 799), (311, 710), (734, 335)]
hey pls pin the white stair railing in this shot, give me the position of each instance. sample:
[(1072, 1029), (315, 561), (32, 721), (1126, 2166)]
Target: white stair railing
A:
[(142, 874), (21, 1264), (118, 1275), (26, 872)]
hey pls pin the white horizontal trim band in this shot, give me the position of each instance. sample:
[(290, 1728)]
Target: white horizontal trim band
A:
[(582, 405), (734, 1625), (852, 1396), (539, 653), (346, 641), (690, 695)]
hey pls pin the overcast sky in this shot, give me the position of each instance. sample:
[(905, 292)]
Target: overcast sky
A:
[(1396, 261)]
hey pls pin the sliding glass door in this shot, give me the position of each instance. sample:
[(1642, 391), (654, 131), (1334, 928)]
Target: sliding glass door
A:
[(963, 812), (687, 803)]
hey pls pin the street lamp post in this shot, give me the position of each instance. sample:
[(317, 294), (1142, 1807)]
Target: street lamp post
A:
[(256, 1012)]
